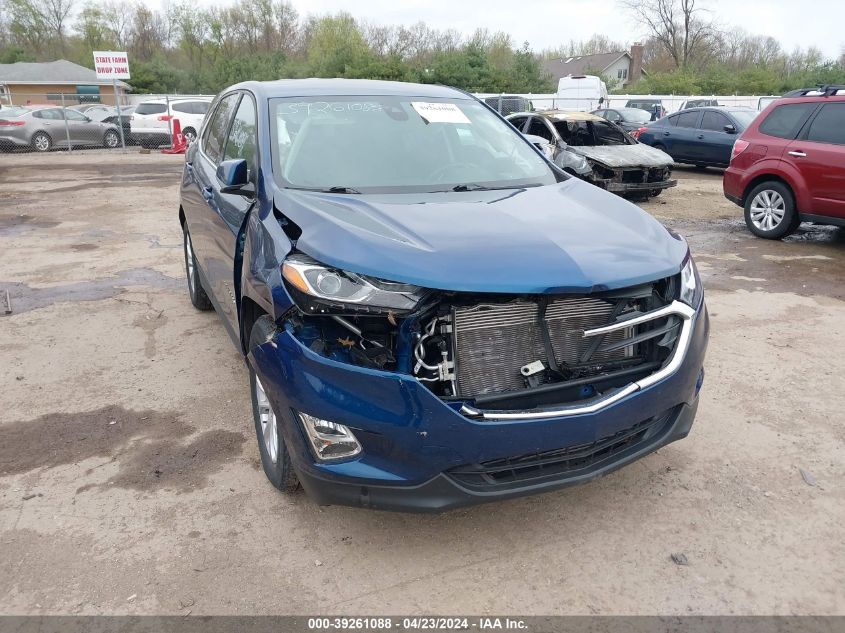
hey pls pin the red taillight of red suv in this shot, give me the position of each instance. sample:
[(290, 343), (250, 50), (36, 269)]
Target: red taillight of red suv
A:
[(6, 123), (636, 133), (739, 147)]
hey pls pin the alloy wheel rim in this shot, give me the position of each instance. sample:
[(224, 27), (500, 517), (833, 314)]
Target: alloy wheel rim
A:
[(768, 209), (189, 263), (42, 144), (111, 139), (269, 427), (190, 137)]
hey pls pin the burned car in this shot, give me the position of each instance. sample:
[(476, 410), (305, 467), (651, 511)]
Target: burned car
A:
[(431, 313), (598, 151)]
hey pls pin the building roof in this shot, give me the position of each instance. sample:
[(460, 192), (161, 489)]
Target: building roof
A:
[(579, 65), (60, 71)]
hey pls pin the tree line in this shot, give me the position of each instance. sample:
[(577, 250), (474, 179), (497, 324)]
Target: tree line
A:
[(188, 48)]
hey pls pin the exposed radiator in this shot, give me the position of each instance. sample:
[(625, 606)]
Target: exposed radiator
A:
[(493, 341)]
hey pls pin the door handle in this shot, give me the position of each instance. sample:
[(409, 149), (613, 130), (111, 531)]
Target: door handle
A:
[(700, 136), (797, 153), (665, 133), (207, 193)]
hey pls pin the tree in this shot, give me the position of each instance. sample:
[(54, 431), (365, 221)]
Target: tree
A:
[(679, 26), (336, 46)]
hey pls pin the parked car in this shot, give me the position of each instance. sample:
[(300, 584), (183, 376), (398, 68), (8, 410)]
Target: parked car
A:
[(432, 314), (151, 121), (46, 127), (653, 106), (581, 92), (598, 151), (699, 103), (763, 102), (788, 166), (507, 104), (699, 136), (109, 114), (629, 119)]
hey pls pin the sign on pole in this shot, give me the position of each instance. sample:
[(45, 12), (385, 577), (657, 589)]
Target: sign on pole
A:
[(111, 65)]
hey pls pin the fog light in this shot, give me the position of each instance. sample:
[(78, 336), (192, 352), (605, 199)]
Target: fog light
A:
[(329, 440)]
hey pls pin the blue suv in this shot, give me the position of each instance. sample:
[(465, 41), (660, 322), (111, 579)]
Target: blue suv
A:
[(431, 313)]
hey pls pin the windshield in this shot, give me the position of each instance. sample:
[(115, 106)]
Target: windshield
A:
[(398, 144), (744, 117), (590, 133)]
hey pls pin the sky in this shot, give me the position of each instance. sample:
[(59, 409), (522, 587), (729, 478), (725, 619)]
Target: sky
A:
[(550, 23)]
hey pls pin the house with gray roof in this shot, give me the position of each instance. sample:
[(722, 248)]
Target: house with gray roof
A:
[(621, 67), (55, 82)]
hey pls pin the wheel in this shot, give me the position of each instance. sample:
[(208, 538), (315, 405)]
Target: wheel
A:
[(42, 142), (197, 293), (111, 139), (275, 458), (190, 134), (770, 211), (655, 192)]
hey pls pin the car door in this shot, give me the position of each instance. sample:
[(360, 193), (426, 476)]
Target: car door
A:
[(221, 215), (714, 143), (51, 121), (819, 155), (679, 136), (82, 131)]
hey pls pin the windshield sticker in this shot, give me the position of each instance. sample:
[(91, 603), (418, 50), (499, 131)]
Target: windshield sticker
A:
[(310, 107), (439, 112)]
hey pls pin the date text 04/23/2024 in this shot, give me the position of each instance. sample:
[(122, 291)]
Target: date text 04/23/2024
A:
[(422, 623)]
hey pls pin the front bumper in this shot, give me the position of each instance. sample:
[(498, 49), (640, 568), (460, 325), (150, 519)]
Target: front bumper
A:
[(444, 492), (414, 442), (631, 187)]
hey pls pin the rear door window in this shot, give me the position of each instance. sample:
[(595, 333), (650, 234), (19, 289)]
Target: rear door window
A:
[(518, 122), (786, 120), (214, 136), (687, 119), (829, 125), (151, 108), (186, 106)]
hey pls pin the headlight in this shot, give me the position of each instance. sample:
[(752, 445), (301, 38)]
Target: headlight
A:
[(318, 288), (691, 289)]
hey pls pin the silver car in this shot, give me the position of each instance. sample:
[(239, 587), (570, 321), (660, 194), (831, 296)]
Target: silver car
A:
[(43, 128)]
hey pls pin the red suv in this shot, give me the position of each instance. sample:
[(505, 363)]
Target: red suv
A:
[(788, 166)]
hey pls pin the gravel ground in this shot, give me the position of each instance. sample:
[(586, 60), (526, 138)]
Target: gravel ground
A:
[(130, 478)]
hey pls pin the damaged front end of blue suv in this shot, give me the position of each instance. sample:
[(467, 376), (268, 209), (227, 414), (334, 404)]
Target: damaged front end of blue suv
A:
[(432, 314)]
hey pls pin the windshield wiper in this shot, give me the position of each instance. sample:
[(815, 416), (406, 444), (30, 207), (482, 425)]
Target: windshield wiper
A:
[(336, 189), (471, 186)]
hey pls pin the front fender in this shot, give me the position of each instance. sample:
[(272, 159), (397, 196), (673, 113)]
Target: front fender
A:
[(265, 248)]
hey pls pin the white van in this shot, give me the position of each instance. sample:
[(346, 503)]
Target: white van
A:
[(580, 92), (150, 123)]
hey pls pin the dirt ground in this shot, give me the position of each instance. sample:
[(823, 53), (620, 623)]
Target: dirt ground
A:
[(130, 478)]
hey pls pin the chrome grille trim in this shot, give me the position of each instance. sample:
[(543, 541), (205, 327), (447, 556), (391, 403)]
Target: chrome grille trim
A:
[(682, 310)]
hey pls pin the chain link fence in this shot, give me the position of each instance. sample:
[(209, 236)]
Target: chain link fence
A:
[(509, 103), (70, 122)]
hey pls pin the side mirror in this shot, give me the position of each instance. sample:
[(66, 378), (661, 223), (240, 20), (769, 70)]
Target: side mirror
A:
[(234, 175), (730, 129)]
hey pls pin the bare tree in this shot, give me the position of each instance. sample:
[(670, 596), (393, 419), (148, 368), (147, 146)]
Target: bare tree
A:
[(679, 26)]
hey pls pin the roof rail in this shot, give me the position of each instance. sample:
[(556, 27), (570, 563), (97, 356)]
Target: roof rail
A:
[(822, 90)]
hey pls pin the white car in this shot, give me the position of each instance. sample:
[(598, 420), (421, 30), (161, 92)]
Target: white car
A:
[(152, 119)]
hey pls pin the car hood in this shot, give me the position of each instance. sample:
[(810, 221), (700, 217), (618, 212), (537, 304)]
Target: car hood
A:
[(568, 237), (639, 155)]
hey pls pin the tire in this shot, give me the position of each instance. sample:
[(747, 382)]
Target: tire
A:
[(111, 139), (190, 134), (41, 142), (199, 297), (770, 211), (655, 192), (275, 459)]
